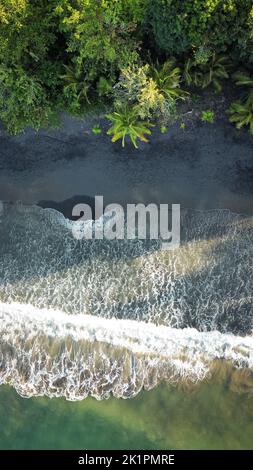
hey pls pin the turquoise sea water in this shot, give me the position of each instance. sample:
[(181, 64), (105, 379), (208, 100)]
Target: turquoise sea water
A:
[(212, 416)]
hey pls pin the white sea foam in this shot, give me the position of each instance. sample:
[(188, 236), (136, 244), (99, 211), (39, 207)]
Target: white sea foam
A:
[(46, 352)]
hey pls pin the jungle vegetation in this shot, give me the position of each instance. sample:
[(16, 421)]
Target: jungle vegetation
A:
[(139, 58)]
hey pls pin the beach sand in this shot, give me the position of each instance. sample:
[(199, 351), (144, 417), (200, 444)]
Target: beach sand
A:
[(205, 166)]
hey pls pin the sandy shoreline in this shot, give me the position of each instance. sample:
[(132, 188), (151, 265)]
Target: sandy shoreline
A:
[(203, 167)]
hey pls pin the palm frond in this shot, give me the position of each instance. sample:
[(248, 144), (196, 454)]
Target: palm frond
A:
[(126, 122)]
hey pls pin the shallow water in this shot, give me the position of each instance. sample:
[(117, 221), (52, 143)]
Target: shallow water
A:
[(211, 417)]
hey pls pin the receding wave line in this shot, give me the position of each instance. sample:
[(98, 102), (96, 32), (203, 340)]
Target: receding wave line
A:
[(47, 352)]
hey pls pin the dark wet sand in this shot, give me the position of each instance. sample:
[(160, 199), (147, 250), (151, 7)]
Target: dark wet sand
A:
[(204, 167)]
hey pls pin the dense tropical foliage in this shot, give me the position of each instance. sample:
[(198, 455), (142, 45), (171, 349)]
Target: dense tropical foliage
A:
[(140, 54)]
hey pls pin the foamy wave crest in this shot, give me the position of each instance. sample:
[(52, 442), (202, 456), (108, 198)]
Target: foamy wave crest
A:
[(47, 352)]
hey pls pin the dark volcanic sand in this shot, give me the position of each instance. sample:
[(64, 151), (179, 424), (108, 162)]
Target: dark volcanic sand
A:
[(205, 166)]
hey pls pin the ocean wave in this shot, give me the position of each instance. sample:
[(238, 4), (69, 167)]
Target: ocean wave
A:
[(46, 352), (98, 317)]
